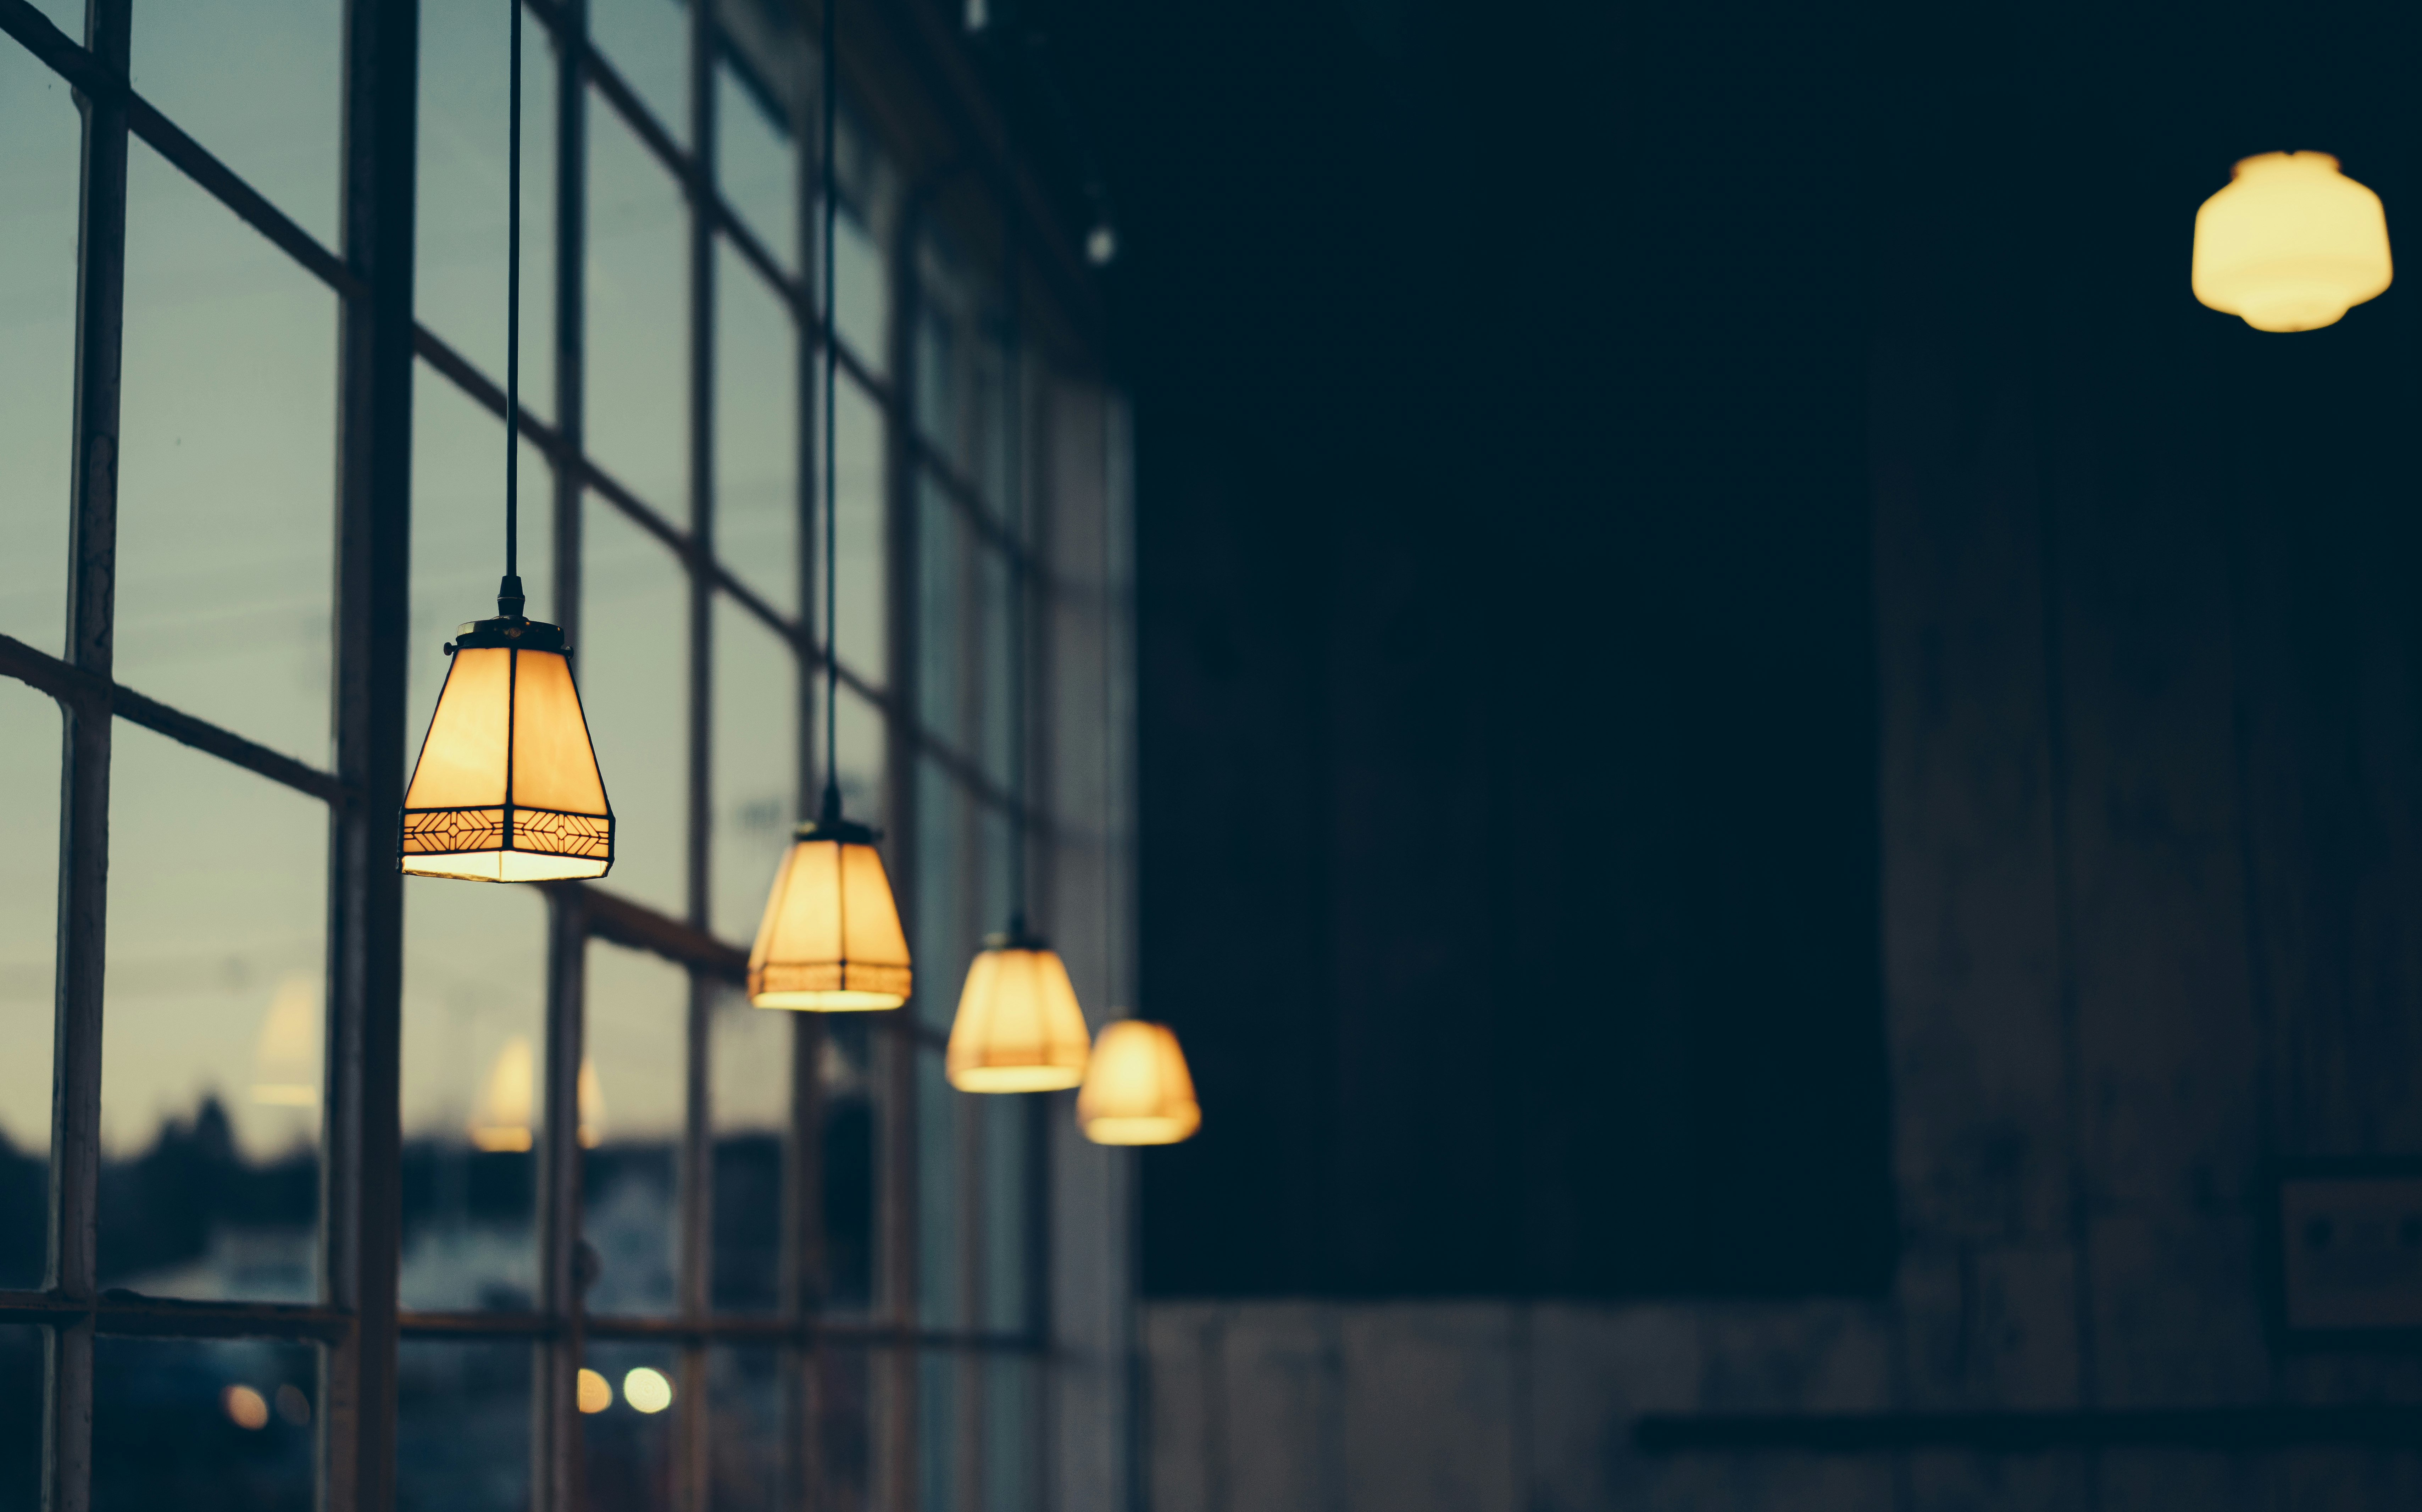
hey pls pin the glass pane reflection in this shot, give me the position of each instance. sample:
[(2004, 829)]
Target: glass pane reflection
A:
[(260, 84), (638, 1010), (628, 1440), (30, 733), (211, 1042), (746, 1403), (750, 1096), (37, 285), (462, 1415), (221, 1426), (227, 480)]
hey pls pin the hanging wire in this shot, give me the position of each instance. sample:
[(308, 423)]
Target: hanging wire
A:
[(509, 593), (1013, 459), (832, 497)]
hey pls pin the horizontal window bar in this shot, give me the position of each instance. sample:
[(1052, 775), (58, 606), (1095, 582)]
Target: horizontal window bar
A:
[(73, 685), (2219, 1428), (132, 1314), (740, 1328)]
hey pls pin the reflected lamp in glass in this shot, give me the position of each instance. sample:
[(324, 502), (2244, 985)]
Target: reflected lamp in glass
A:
[(830, 940), (507, 788), (1018, 1028), (2290, 244), (1137, 1090)]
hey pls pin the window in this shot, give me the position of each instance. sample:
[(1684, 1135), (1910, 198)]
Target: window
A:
[(521, 1161)]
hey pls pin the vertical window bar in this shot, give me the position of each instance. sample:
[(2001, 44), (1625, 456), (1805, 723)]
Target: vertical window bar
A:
[(697, 1174), (361, 1158), (555, 1425), (564, 1272), (804, 1281), (72, 1263)]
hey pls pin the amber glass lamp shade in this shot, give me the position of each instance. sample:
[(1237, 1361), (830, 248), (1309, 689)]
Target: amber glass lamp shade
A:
[(1018, 1028), (1135, 1089), (2290, 245), (507, 788), (830, 940)]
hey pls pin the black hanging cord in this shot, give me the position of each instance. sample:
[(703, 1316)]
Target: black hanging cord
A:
[(832, 497), (508, 592), (1014, 424)]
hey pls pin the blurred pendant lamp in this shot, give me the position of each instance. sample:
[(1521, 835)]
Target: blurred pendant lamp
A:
[(507, 788), (1018, 1027), (1137, 1090), (2290, 245), (830, 940)]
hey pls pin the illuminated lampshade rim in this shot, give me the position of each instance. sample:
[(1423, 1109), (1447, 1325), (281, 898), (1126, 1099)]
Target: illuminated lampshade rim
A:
[(1139, 1128), (1015, 1077), (845, 1001)]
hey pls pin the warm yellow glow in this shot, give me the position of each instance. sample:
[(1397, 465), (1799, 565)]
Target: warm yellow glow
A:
[(1018, 1027), (502, 1121), (2290, 245), (285, 1059), (245, 1407), (648, 1390), (830, 940), (591, 1132), (592, 1392), (507, 788), (1137, 1090)]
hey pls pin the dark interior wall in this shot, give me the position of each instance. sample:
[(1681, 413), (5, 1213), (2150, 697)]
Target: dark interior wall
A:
[(1521, 404)]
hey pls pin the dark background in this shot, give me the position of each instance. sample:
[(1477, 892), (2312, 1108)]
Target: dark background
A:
[(1509, 719)]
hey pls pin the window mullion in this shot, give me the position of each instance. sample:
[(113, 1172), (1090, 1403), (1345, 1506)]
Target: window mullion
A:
[(73, 1261)]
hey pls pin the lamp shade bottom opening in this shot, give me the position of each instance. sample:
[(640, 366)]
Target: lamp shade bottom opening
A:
[(505, 866), (838, 1002), (1017, 1078)]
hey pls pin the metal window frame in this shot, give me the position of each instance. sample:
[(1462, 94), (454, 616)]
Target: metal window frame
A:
[(358, 1321)]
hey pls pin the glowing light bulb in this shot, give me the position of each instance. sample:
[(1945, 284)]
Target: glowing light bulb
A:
[(2290, 244), (648, 1390), (591, 1392), (245, 1407)]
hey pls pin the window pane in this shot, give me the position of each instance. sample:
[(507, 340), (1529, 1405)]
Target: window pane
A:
[(862, 739), (474, 1044), (756, 167), (638, 341), (211, 1044), (460, 230), (755, 765), (37, 287), (938, 1385), (260, 82), (745, 1399), (648, 43), (30, 733), (864, 597), (227, 493), (949, 618), (862, 290), (67, 15), (1003, 1195), (1010, 1482), (757, 501), (632, 663), (751, 1100), (222, 1426), (629, 1441), (848, 1166), (941, 1194), (948, 921), (20, 1418), (638, 1010), (845, 1427), (462, 1415)]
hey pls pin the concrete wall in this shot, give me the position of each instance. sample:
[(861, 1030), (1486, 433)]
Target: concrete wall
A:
[(2151, 813)]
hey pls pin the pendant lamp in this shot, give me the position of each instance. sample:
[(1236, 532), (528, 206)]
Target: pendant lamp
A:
[(1018, 1028), (2290, 245), (831, 940), (1135, 1089), (507, 787)]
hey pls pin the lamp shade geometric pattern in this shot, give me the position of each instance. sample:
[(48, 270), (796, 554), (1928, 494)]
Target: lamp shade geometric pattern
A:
[(2290, 245), (830, 940), (507, 787), (1137, 1090), (1018, 1028)]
